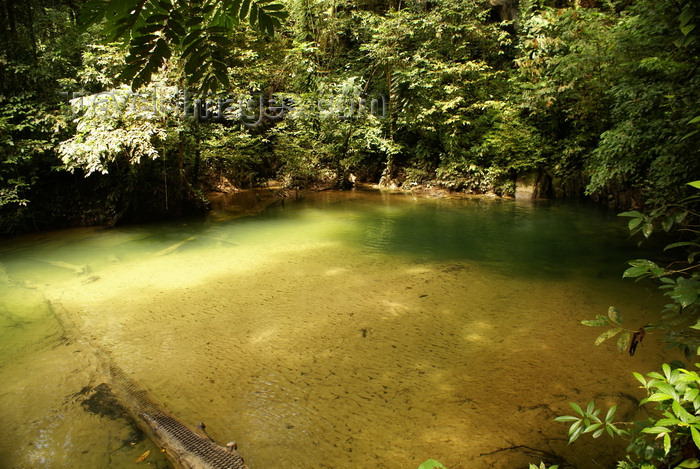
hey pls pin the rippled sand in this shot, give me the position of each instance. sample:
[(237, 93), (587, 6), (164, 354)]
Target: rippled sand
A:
[(314, 352)]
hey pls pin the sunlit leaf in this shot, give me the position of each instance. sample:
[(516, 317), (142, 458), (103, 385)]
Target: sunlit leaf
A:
[(589, 408), (684, 293), (666, 368), (592, 427), (667, 224), (635, 271), (577, 408), (666, 388), (682, 414), (623, 342), (668, 421), (691, 394), (574, 436), (431, 464), (658, 397), (655, 430), (610, 333), (578, 425), (633, 213), (615, 315), (633, 223), (611, 413), (599, 321)]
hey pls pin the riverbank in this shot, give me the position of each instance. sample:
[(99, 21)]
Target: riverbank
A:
[(225, 200)]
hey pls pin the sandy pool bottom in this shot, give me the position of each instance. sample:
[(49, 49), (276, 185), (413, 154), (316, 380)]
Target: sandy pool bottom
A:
[(327, 356)]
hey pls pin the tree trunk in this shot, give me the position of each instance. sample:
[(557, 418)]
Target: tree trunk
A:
[(389, 171)]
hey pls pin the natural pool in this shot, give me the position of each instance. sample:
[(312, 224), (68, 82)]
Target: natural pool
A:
[(344, 330)]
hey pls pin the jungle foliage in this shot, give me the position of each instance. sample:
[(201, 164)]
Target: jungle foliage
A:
[(176, 98)]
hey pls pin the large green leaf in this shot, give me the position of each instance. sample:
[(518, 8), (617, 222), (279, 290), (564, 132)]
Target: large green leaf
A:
[(623, 342), (592, 427), (609, 334), (634, 222), (685, 292), (682, 414), (641, 267), (656, 430), (696, 436), (640, 378), (573, 436), (633, 213), (566, 418), (615, 315), (680, 244), (636, 271), (598, 321), (610, 414), (577, 408)]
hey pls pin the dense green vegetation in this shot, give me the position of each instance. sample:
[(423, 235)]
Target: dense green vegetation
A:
[(589, 98)]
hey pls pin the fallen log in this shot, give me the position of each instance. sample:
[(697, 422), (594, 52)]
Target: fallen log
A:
[(183, 446)]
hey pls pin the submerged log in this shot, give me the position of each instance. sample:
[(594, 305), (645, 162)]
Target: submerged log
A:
[(78, 269), (183, 446), (174, 247)]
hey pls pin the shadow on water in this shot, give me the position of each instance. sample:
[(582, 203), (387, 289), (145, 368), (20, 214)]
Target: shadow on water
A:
[(540, 239)]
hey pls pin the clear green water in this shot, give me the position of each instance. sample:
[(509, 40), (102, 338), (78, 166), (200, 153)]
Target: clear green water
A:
[(357, 329)]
